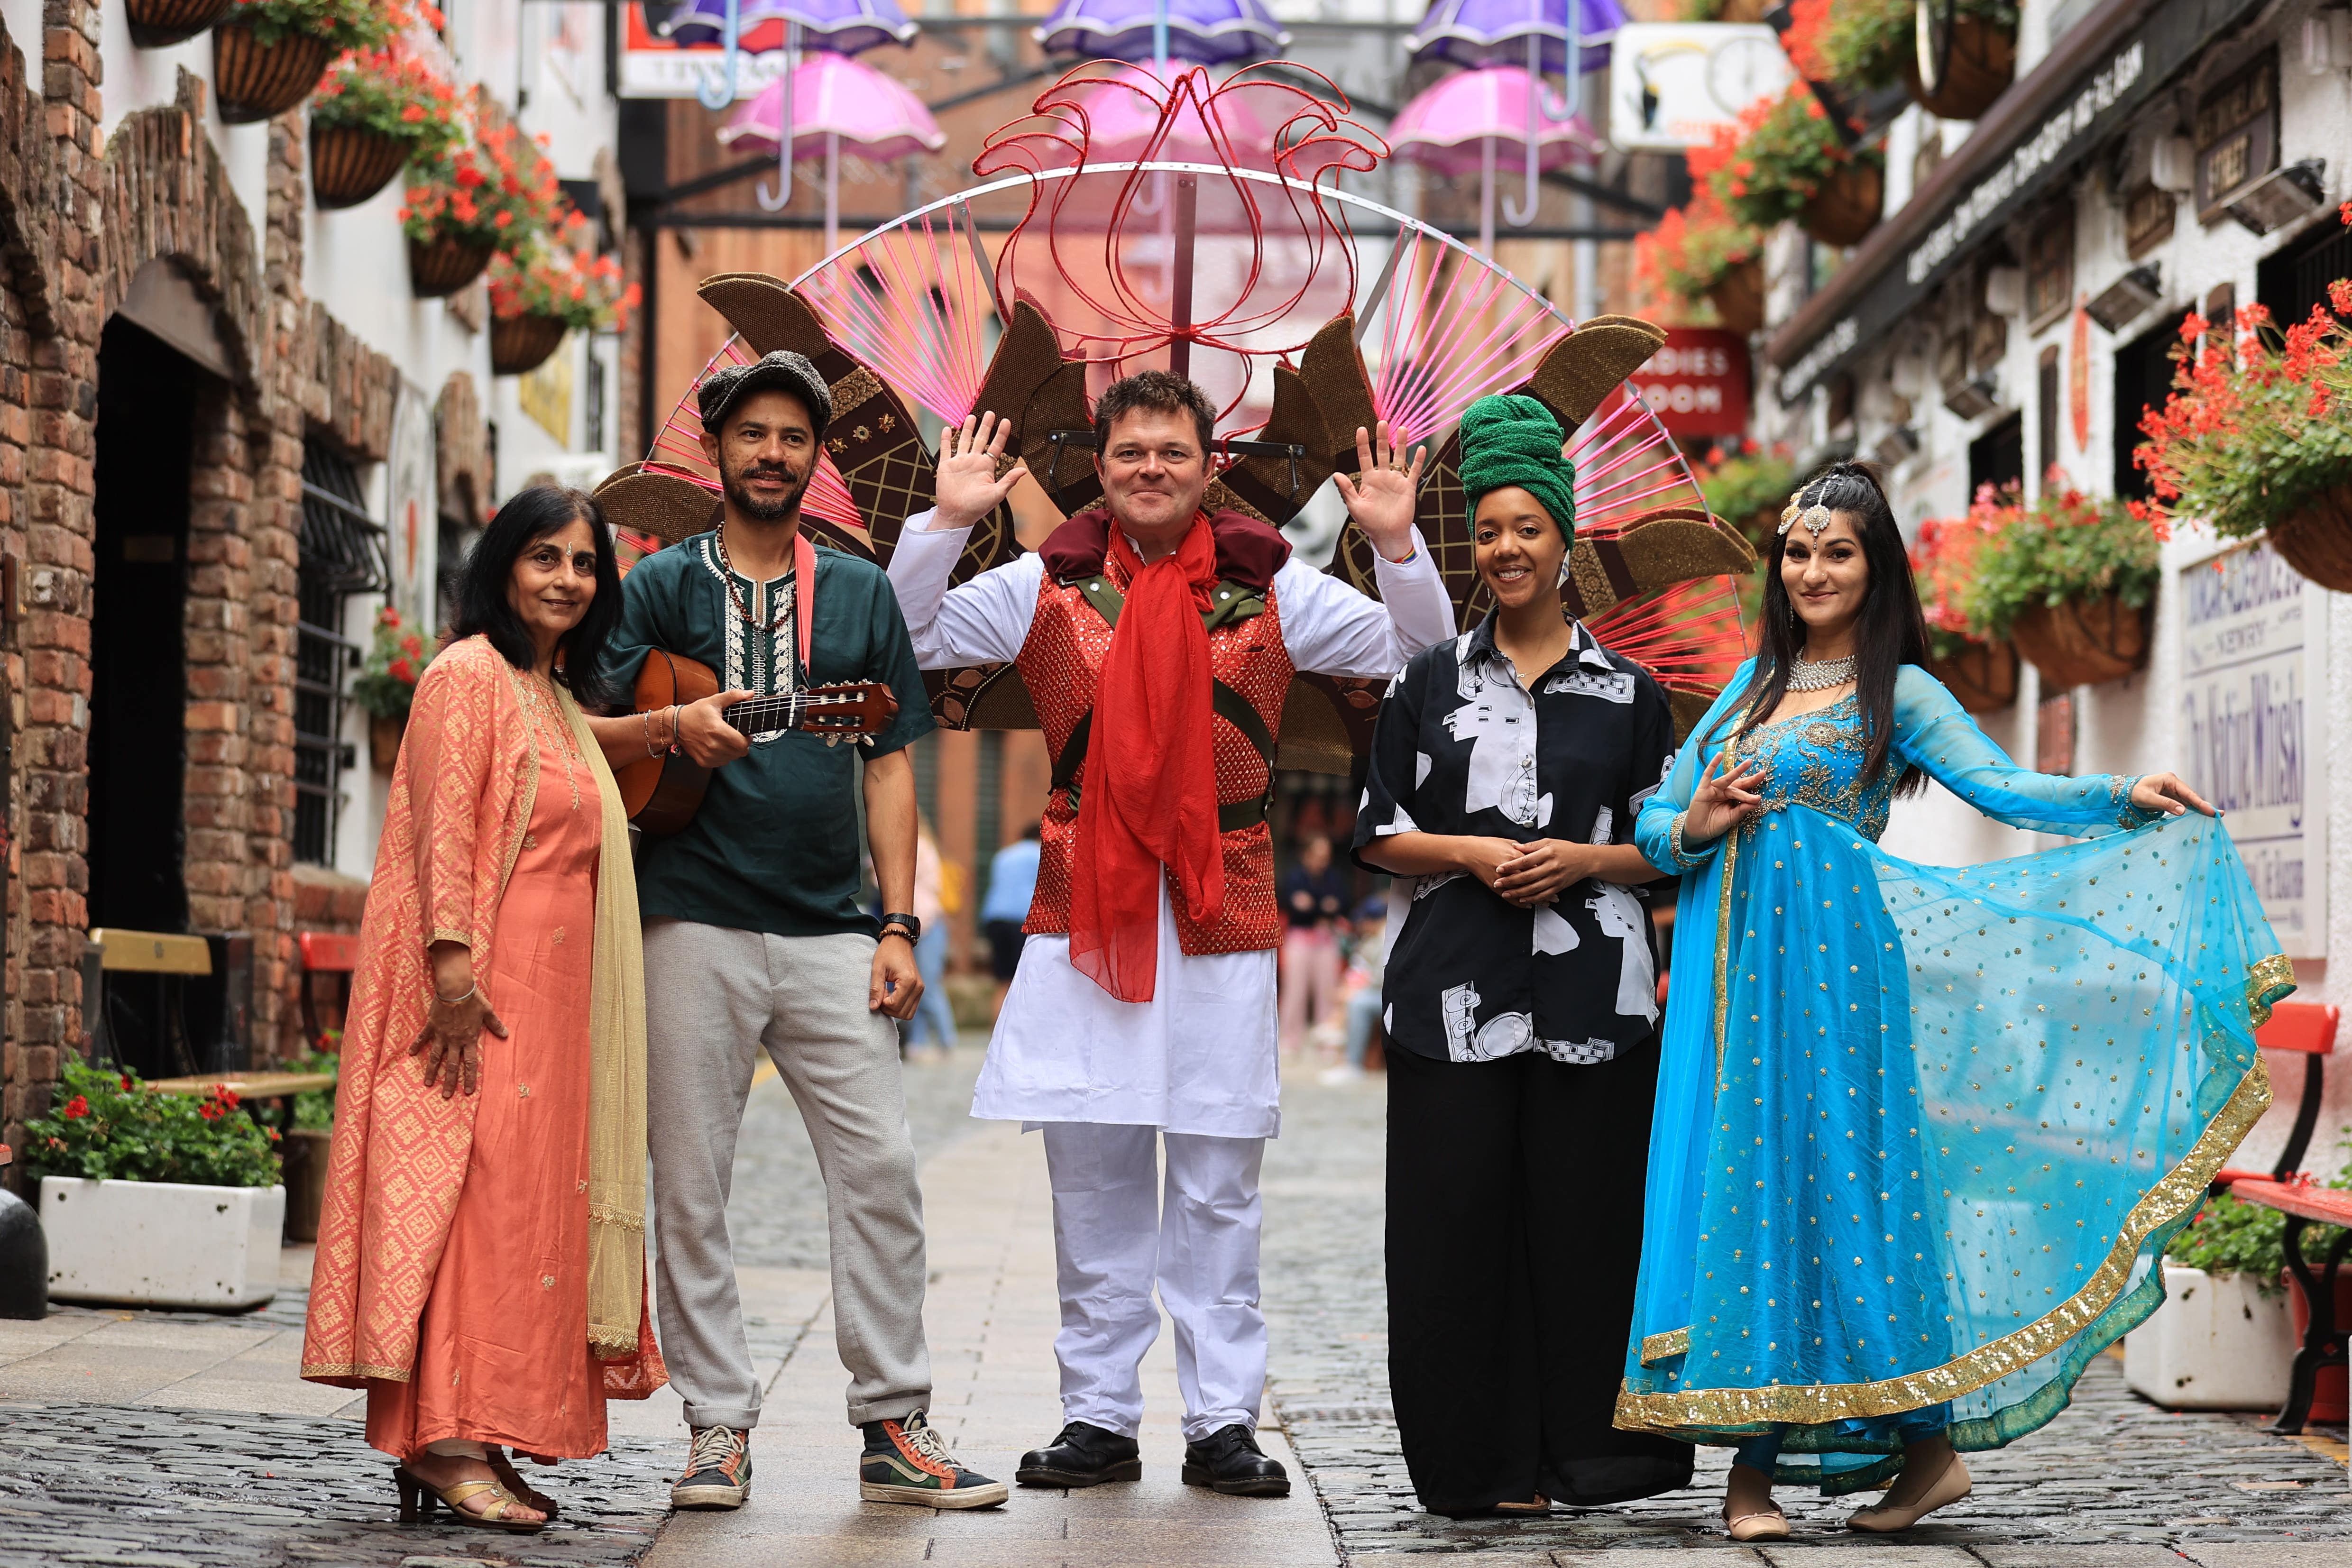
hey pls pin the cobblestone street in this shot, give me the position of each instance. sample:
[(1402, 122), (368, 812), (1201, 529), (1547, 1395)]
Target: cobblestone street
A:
[(161, 1439)]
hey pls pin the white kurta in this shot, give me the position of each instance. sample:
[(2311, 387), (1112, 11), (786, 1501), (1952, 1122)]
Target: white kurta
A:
[(1199, 1057)]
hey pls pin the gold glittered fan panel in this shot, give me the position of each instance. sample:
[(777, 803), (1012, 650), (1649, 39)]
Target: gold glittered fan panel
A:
[(1275, 488), (981, 696), (1332, 371), (1591, 362), (1652, 552), (1326, 723), (1689, 707), (668, 506), (1067, 472)]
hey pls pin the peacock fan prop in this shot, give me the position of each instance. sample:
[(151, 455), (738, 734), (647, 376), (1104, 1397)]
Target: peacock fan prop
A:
[(1131, 222)]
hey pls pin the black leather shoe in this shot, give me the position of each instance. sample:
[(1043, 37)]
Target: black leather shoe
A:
[(1229, 1460), (1083, 1456)]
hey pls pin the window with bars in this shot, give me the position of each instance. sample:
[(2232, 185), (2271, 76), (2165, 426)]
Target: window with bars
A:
[(343, 552)]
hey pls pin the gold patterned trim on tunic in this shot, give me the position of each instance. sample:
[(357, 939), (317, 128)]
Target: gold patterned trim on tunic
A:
[(1723, 944), (1658, 1347), (1813, 1405), (314, 1371), (2266, 982)]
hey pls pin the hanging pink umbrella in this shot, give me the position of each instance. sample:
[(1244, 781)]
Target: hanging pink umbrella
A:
[(845, 102), (1461, 125)]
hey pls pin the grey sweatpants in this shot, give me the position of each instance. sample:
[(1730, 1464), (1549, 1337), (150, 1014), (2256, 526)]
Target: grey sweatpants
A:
[(713, 998)]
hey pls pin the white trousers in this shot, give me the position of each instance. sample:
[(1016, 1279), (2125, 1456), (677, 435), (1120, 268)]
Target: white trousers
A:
[(1113, 1232)]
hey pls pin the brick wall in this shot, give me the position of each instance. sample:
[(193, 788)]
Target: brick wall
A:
[(77, 219)]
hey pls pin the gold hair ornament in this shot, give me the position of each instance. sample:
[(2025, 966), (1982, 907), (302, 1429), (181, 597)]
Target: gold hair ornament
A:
[(1815, 517)]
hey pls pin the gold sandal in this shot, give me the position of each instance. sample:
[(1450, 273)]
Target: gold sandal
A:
[(417, 1496), (511, 1479)]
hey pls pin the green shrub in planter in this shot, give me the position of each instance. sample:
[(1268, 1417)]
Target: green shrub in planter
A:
[(2066, 547), (108, 1126), (2230, 1238)]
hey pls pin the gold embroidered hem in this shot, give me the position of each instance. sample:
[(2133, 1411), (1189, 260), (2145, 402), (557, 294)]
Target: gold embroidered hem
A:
[(2266, 981), (2174, 1194), (350, 1373), (1658, 1347)]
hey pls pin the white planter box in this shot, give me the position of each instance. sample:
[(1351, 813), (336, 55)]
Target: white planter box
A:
[(2217, 1343), (162, 1244)]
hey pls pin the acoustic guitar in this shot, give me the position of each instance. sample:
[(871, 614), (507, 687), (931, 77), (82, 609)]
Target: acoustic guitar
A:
[(661, 794)]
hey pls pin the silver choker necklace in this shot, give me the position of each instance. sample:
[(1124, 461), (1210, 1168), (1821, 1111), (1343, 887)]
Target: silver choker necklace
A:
[(1809, 675)]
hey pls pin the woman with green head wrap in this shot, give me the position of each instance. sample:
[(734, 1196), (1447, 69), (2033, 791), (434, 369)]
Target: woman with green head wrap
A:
[(1520, 1008)]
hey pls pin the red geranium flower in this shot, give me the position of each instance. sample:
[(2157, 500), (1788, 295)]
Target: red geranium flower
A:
[(76, 1107)]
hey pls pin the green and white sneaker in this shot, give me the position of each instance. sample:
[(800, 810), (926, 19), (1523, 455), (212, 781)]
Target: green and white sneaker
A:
[(908, 1461), (718, 1470)]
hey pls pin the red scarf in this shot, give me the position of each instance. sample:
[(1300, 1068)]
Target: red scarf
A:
[(1151, 792)]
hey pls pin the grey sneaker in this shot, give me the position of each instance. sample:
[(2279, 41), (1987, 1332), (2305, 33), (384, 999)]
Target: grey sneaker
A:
[(718, 1470)]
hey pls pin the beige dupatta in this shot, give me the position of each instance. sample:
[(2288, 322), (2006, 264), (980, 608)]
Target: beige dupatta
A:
[(616, 1091)]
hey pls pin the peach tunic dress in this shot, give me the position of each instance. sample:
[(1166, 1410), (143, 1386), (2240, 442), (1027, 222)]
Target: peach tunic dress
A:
[(502, 1349)]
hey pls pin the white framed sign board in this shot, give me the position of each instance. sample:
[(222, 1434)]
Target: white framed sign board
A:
[(1671, 84), (2253, 676)]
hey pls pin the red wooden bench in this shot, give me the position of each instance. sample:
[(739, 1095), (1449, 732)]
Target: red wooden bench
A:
[(325, 953), (2308, 1028)]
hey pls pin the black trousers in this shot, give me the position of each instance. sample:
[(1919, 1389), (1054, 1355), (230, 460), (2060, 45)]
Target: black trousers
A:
[(1514, 1234)]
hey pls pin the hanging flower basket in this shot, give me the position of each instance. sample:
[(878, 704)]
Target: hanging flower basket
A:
[(2083, 642), (2315, 539), (256, 80), (1738, 296), (160, 24), (1982, 63), (520, 344), (1982, 676), (439, 267), (1847, 205), (349, 164), (384, 740)]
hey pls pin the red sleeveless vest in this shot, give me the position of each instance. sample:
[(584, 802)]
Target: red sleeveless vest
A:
[(1061, 664)]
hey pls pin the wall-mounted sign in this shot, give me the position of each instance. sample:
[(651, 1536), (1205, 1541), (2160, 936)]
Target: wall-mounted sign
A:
[(2237, 135), (1698, 383), (1673, 83), (652, 67), (2254, 647)]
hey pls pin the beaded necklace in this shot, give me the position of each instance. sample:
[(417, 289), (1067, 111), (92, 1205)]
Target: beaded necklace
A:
[(727, 575)]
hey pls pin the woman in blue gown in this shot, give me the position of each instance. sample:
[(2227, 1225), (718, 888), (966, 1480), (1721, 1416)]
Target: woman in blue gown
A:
[(1922, 1133)]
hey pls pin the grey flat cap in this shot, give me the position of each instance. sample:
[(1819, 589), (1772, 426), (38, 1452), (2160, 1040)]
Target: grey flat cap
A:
[(780, 371)]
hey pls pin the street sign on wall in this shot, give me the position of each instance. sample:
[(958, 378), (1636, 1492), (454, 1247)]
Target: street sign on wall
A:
[(1671, 84), (2254, 647), (1698, 383)]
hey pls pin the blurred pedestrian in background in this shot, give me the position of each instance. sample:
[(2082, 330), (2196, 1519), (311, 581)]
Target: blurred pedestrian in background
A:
[(1012, 881), (939, 893), (1315, 897), (1366, 949)]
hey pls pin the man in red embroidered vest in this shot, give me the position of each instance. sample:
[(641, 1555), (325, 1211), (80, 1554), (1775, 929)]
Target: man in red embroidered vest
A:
[(1157, 642)]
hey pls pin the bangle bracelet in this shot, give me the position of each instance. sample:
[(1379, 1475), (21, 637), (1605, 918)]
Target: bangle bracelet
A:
[(453, 1001), (673, 729), (647, 725)]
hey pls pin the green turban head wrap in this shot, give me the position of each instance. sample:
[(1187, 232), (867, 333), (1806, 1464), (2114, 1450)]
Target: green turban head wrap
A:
[(1515, 439)]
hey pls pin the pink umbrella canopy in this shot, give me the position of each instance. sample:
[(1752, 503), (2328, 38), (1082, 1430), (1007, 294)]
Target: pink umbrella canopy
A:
[(835, 95), (1444, 128)]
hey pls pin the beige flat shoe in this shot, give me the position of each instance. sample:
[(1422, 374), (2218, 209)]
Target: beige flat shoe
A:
[(1949, 1486), (1769, 1525)]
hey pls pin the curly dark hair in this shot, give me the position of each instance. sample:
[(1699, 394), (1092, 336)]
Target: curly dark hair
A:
[(527, 518), (1891, 632), (1160, 391)]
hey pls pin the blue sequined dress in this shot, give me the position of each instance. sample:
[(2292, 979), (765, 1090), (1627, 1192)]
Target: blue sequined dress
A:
[(1922, 1132)]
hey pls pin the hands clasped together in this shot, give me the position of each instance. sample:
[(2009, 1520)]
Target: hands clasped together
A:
[(1528, 874)]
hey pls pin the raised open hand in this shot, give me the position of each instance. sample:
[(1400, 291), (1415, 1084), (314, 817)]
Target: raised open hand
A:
[(1381, 497), (968, 487)]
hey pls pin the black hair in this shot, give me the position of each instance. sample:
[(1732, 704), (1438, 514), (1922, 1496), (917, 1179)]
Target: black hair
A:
[(1889, 633), (1161, 392), (527, 518)]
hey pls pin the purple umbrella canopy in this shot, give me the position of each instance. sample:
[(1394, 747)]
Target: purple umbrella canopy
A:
[(1495, 32), (840, 26), (1206, 32)]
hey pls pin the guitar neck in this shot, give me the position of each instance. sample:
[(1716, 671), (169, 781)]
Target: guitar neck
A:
[(765, 715)]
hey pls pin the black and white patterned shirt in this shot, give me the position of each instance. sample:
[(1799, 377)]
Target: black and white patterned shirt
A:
[(1463, 748)]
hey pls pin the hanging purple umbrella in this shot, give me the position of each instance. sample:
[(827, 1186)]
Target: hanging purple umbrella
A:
[(1536, 36), (1497, 33), (1206, 32), (844, 27)]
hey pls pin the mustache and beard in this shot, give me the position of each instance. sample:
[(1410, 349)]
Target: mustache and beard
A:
[(737, 485)]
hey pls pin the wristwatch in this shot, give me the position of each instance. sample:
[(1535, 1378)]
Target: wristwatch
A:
[(913, 928)]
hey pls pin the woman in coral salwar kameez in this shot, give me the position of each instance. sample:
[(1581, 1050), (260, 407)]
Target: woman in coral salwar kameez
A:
[(481, 1259)]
